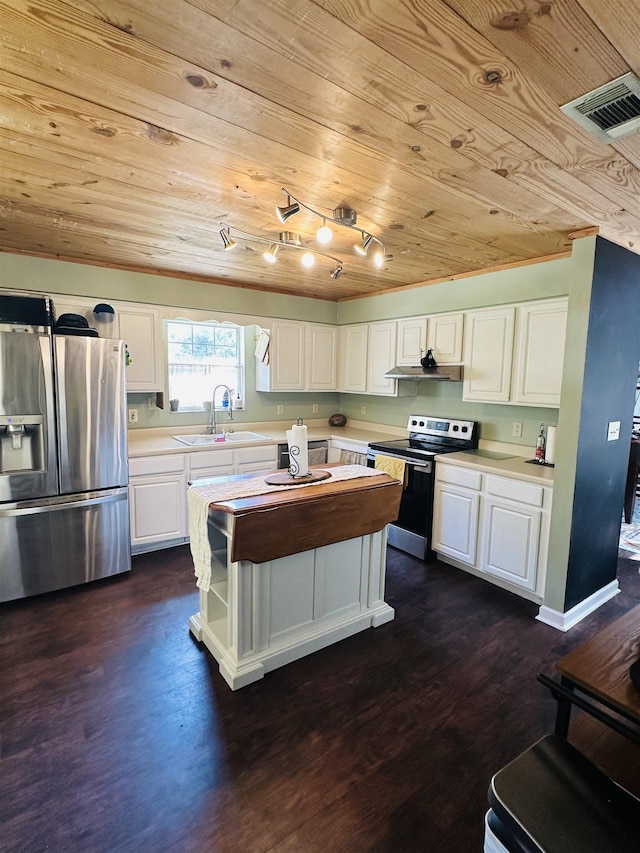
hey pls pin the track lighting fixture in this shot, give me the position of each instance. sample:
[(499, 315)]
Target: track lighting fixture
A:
[(290, 209), (344, 216), (336, 273), (363, 248), (270, 254), (287, 240), (227, 242)]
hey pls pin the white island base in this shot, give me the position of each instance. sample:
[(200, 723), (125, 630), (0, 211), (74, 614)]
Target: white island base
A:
[(260, 616)]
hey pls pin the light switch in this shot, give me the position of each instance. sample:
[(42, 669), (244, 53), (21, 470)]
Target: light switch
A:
[(613, 433)]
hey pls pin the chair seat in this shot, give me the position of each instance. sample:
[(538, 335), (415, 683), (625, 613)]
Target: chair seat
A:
[(552, 799)]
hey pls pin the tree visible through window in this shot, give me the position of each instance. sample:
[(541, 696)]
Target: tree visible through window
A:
[(201, 356)]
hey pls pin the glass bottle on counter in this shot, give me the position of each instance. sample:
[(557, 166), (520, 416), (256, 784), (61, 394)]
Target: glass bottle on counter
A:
[(540, 445)]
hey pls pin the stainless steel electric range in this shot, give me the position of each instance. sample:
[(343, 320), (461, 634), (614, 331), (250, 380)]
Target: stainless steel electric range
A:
[(428, 435)]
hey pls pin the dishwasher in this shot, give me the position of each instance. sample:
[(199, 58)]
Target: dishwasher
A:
[(318, 453)]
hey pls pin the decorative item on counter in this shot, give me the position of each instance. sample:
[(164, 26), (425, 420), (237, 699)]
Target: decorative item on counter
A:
[(550, 445), (298, 450), (127, 356), (173, 405), (337, 420), (429, 362), (540, 445)]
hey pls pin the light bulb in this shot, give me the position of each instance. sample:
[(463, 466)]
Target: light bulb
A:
[(363, 248), (308, 260), (378, 259), (270, 254), (324, 234)]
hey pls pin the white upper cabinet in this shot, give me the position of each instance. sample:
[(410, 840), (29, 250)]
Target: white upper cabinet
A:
[(381, 357), (321, 357), (140, 328), (302, 357), (83, 306), (352, 358), (539, 353), (412, 340), (488, 352), (445, 337), (515, 353), (286, 356), (441, 333)]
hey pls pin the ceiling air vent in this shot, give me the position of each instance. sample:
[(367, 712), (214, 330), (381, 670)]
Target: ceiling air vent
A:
[(610, 111)]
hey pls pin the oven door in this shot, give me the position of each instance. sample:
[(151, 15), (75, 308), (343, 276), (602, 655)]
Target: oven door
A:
[(411, 532)]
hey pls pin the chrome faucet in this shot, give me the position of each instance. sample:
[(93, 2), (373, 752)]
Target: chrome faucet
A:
[(212, 423)]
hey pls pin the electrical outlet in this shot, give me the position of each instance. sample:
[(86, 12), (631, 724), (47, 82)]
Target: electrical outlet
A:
[(314, 409), (516, 431), (281, 410), (363, 410), (133, 416)]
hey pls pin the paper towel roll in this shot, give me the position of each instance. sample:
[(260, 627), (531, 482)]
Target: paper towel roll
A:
[(550, 446), (298, 451)]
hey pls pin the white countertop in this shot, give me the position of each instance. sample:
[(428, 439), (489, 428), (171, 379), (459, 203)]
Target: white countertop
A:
[(151, 442), (512, 466)]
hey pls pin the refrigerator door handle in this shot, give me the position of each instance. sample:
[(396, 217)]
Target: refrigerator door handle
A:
[(61, 380), (33, 508)]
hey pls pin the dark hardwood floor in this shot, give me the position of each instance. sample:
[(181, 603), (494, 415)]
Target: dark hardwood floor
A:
[(119, 734)]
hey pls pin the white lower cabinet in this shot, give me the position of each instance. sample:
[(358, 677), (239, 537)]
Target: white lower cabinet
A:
[(496, 527), (511, 539), (457, 510), (261, 458), (158, 489), (157, 501)]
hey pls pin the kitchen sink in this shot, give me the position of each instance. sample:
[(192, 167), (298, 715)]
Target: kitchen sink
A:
[(221, 438)]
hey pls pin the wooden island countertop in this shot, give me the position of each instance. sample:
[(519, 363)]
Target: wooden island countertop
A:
[(284, 522)]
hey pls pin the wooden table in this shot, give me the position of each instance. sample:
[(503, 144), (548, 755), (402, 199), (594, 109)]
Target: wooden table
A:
[(599, 668)]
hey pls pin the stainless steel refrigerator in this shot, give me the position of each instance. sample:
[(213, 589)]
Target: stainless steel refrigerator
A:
[(64, 512)]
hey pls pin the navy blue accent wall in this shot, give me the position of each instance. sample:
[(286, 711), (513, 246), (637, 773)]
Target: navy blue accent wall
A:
[(611, 365)]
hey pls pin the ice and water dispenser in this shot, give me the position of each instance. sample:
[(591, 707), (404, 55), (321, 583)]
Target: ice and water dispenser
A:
[(21, 443)]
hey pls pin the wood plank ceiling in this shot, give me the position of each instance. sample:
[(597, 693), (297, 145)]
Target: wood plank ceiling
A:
[(133, 131)]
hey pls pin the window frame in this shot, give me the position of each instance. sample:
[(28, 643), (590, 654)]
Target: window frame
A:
[(239, 367)]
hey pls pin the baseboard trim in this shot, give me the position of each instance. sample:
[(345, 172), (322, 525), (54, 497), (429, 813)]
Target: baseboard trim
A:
[(565, 621)]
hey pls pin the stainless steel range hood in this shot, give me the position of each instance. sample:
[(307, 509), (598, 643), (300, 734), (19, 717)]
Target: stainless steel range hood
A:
[(442, 373)]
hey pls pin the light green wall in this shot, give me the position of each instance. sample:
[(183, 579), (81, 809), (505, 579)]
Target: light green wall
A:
[(534, 281), (50, 276), (18, 272), (569, 423)]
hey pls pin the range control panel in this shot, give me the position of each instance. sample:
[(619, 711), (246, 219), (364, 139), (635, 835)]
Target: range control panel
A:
[(441, 427)]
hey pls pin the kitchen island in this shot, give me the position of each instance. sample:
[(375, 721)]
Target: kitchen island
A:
[(291, 570)]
